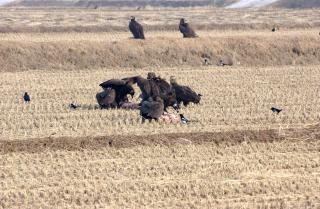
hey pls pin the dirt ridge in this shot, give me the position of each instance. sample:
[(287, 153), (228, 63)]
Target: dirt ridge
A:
[(160, 52)]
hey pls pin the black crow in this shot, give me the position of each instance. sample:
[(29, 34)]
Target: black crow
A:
[(276, 110), (206, 61), (26, 97), (73, 106), (184, 119), (186, 30), (136, 29)]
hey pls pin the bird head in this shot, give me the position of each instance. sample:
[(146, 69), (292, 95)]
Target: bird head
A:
[(172, 80), (182, 21), (132, 18), (151, 75), (176, 107)]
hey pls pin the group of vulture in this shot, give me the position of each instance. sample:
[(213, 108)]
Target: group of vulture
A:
[(157, 95), (137, 29)]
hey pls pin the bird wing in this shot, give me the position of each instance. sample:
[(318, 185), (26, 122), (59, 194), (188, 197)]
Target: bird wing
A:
[(185, 93), (112, 83), (140, 30), (182, 28)]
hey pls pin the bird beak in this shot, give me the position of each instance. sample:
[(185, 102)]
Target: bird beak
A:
[(176, 107)]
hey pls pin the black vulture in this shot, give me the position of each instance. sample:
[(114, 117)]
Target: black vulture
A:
[(136, 29), (26, 97), (154, 86), (121, 87), (186, 30), (184, 94), (152, 108), (143, 84), (167, 92), (107, 98), (276, 110)]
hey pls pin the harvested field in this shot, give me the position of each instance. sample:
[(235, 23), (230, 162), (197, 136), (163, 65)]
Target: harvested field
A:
[(234, 98), (236, 153), (89, 20), (166, 171)]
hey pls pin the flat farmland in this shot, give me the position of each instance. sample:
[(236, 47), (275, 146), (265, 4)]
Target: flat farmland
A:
[(234, 98), (235, 152)]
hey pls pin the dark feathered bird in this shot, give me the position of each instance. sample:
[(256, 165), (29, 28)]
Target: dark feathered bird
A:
[(186, 30), (276, 110), (183, 119), (154, 86), (152, 108), (184, 94), (167, 92), (136, 29), (26, 97), (73, 106), (143, 84), (122, 89), (107, 98)]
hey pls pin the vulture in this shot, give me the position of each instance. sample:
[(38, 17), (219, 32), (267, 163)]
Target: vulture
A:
[(107, 98), (26, 97), (155, 86), (186, 30), (136, 29), (167, 92), (152, 108), (184, 94), (121, 87), (143, 84)]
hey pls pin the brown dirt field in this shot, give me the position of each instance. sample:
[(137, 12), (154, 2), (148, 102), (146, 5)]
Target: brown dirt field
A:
[(253, 169), (235, 153)]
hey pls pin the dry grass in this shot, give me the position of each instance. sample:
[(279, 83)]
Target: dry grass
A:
[(236, 153), (82, 20), (234, 98), (187, 174), (90, 51)]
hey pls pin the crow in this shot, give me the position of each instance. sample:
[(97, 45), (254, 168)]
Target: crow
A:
[(136, 29), (152, 108), (26, 97), (184, 94), (184, 119), (186, 30), (276, 110), (206, 61), (73, 106)]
